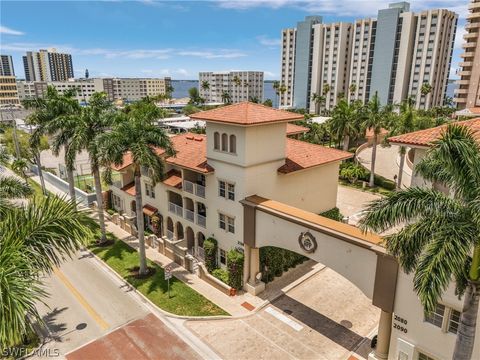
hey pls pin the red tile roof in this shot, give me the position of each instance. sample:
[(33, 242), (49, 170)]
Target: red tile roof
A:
[(127, 161), (302, 155), (427, 136), (246, 113), (149, 210), (173, 178), (293, 129), (191, 152), (129, 189)]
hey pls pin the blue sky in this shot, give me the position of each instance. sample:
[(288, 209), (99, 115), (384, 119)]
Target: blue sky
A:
[(175, 38)]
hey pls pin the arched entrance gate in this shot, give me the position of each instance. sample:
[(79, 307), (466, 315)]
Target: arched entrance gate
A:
[(345, 249)]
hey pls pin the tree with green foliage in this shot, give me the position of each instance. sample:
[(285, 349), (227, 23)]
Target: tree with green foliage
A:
[(268, 102), (52, 229), (440, 238), (325, 89), (205, 85), (353, 172), (194, 95), (235, 268), (210, 248), (319, 101), (226, 97), (135, 132), (20, 167), (345, 122)]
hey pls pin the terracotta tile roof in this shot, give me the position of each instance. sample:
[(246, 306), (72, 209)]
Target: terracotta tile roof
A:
[(293, 129), (149, 210), (302, 155), (173, 178), (324, 224), (129, 189), (191, 152), (246, 113), (427, 136)]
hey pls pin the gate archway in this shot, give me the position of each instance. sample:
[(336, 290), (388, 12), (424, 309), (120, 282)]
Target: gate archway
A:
[(357, 256)]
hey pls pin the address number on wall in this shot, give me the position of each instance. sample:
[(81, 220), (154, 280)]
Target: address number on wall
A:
[(400, 324)]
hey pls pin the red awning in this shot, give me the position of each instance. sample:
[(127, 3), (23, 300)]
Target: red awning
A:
[(149, 210)]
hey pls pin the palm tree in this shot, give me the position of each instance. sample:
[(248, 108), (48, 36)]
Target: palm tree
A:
[(404, 124), (319, 101), (352, 88), (237, 80), (226, 97), (51, 230), (11, 188), (440, 240), (326, 89), (20, 166), (53, 116), (375, 118), (344, 123), (426, 89), (136, 133), (94, 120), (205, 85), (276, 87)]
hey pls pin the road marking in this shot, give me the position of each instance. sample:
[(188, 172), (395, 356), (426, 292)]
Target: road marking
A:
[(293, 324), (103, 325)]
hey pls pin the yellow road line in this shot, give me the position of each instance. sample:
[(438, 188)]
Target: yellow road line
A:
[(81, 300)]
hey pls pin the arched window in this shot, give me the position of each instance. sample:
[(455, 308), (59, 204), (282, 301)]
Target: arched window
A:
[(233, 144), (224, 142), (216, 140)]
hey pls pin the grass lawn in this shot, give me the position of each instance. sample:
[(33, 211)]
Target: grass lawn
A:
[(37, 189), (183, 301)]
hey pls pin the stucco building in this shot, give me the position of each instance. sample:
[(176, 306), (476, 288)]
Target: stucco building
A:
[(8, 91), (393, 55)]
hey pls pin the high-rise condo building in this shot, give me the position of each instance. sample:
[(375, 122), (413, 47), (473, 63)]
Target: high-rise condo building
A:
[(47, 65), (8, 91), (232, 87), (467, 95), (393, 55), (6, 66)]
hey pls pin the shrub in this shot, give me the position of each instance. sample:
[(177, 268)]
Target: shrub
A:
[(385, 183), (210, 247), (235, 268), (333, 214), (274, 261), (221, 274), (353, 172), (111, 211)]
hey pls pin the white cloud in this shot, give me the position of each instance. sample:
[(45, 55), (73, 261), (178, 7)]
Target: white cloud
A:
[(353, 8), (7, 31), (182, 72), (459, 37), (221, 54), (269, 74), (265, 40)]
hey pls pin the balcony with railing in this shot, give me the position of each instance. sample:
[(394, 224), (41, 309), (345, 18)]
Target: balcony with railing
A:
[(194, 183), (175, 203), (201, 220)]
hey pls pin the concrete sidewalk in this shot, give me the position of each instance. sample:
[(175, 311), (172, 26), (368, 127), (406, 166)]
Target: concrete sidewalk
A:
[(231, 304)]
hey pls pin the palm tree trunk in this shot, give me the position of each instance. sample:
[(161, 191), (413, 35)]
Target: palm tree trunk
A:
[(402, 164), (40, 172), (346, 142), (71, 184), (468, 320), (372, 165), (98, 192), (140, 225)]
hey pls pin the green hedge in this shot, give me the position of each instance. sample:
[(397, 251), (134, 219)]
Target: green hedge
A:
[(349, 171), (221, 274), (333, 214), (235, 268), (274, 261), (210, 246)]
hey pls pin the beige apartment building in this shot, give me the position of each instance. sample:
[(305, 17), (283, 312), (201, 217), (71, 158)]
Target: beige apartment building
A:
[(8, 91), (393, 55), (467, 95), (133, 89), (47, 65), (239, 85)]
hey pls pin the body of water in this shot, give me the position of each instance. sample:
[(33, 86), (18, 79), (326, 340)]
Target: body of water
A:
[(181, 89)]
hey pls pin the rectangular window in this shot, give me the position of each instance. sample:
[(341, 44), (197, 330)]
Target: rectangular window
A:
[(436, 316), (231, 225), (223, 257), (221, 188), (454, 321), (221, 221), (150, 190), (231, 192), (422, 356)]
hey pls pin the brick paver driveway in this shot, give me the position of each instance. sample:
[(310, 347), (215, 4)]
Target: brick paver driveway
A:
[(325, 318), (145, 338)]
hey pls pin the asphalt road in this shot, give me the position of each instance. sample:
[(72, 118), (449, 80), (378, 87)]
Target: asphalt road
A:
[(87, 303)]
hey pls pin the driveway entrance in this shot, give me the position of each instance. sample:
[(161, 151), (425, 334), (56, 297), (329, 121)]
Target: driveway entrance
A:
[(324, 318)]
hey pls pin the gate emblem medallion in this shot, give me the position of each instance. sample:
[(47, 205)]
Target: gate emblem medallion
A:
[(307, 242)]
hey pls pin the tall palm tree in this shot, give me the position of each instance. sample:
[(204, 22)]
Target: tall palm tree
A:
[(205, 85), (276, 86), (226, 97), (441, 238), (345, 121), (352, 88), (237, 81), (326, 89), (404, 124), (53, 116), (51, 230), (135, 132), (375, 117), (94, 120), (426, 89), (20, 166)]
